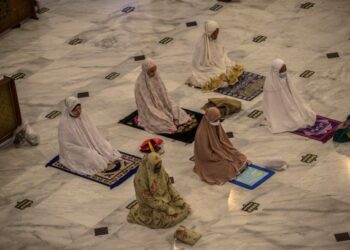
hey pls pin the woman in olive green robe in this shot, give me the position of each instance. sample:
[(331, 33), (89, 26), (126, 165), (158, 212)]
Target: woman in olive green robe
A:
[(342, 134), (158, 203)]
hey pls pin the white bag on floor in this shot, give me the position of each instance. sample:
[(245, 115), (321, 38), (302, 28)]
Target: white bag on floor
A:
[(275, 165), (25, 134)]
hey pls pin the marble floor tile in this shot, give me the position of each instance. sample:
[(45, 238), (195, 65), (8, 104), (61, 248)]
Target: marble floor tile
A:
[(36, 229), (300, 208), (82, 201)]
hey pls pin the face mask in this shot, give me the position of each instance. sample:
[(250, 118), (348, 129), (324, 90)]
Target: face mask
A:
[(283, 75), (217, 123)]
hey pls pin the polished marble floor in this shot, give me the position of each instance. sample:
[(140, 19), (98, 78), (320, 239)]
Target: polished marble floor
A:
[(300, 208)]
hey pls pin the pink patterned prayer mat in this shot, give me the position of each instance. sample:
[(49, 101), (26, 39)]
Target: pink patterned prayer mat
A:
[(322, 130)]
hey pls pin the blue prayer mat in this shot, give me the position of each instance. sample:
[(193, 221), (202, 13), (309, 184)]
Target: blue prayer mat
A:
[(252, 177), (129, 166), (249, 86)]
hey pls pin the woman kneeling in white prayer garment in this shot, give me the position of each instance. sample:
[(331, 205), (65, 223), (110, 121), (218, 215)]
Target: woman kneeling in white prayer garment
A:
[(211, 67), (82, 148), (157, 112), (284, 109)]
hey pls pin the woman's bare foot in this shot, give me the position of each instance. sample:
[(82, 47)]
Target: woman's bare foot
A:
[(112, 166)]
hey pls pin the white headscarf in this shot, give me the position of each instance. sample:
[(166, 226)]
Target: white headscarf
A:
[(70, 104), (82, 148), (210, 27), (284, 109), (210, 58), (157, 111)]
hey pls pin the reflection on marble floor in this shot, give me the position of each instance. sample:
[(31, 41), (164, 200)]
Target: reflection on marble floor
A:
[(300, 208)]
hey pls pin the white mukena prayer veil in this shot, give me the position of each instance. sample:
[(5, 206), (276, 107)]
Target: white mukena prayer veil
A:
[(82, 148), (284, 109), (157, 111), (210, 59)]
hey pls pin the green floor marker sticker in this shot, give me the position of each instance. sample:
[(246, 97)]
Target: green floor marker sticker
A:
[(128, 9), (101, 231), (332, 55), (132, 204), (229, 134), (342, 236), (53, 114), (24, 204), (139, 58), (191, 24), (250, 207), (75, 41), (18, 76), (259, 39), (307, 5), (166, 40), (255, 114), (216, 7), (112, 76), (43, 10), (309, 158), (83, 94), (307, 73)]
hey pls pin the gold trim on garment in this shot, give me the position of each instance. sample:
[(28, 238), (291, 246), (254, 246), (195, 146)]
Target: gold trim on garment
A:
[(231, 78), (236, 71)]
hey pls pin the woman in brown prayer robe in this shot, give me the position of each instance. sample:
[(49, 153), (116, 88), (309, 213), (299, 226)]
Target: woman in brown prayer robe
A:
[(216, 159)]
